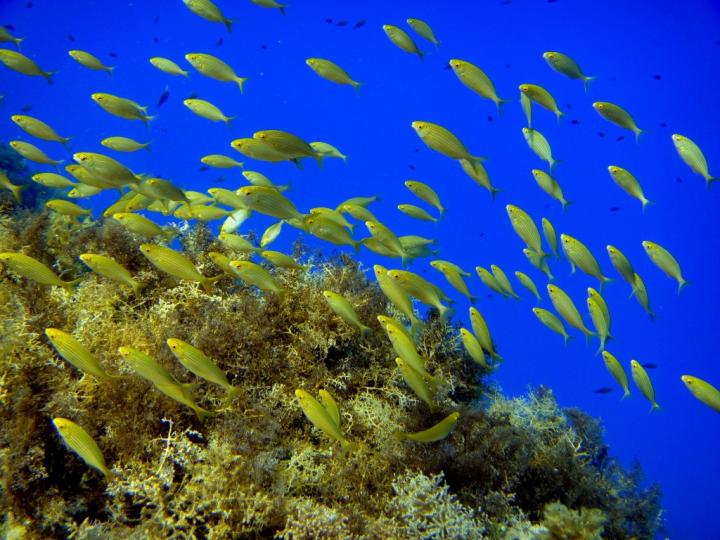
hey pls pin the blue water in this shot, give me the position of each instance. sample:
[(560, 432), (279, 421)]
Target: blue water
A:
[(659, 60)]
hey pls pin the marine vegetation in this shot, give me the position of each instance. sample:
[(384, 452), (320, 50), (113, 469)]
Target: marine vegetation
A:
[(250, 463)]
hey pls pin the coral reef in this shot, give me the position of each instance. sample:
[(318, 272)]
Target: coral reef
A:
[(520, 468)]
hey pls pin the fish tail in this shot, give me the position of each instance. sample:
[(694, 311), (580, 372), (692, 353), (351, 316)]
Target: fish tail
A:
[(298, 163), (18, 41), (638, 133), (232, 392), (554, 162), (208, 283), (137, 287), (626, 393), (356, 85), (228, 24), (17, 192), (493, 192), (604, 280), (365, 330), (646, 203), (281, 9), (203, 413), (499, 104), (587, 81), (147, 147), (110, 70), (558, 115), (241, 82), (655, 407), (66, 142), (683, 283), (69, 286), (228, 121), (565, 204), (49, 75), (567, 338), (421, 55), (709, 180)]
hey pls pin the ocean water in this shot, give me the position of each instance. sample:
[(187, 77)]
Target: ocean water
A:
[(659, 60)]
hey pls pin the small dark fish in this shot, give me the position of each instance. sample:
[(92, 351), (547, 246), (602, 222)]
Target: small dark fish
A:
[(29, 5), (602, 390), (507, 65), (601, 134), (156, 20), (329, 21), (203, 168), (164, 96), (341, 23), (575, 122), (359, 24), (612, 79), (650, 365), (411, 167), (490, 118), (663, 124), (506, 2), (263, 47), (657, 77), (620, 138), (156, 40), (26, 108), (614, 208), (219, 179), (71, 37), (717, 42), (551, 1), (9, 27), (678, 180), (112, 55), (416, 151), (547, 206), (219, 42), (569, 106)]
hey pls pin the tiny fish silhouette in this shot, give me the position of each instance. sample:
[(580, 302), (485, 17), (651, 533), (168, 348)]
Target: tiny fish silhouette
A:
[(112, 54), (156, 40), (164, 96), (569, 106), (359, 24), (602, 390), (657, 77), (678, 180), (263, 47), (203, 168), (490, 118), (219, 179), (341, 23), (71, 37), (614, 208), (329, 21), (573, 121), (601, 134), (411, 167), (219, 42), (506, 2), (650, 365), (663, 124), (9, 27), (620, 138), (156, 20)]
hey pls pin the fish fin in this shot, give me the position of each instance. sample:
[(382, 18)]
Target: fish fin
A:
[(603, 281), (241, 82), (69, 286), (559, 115), (49, 75), (639, 132), (232, 392), (421, 55), (568, 337), (626, 394), (683, 283), (356, 85), (587, 81), (228, 23), (17, 192), (565, 204), (228, 121), (17, 42), (655, 407), (553, 163), (207, 283), (493, 192), (365, 330), (298, 163), (110, 70), (646, 203)]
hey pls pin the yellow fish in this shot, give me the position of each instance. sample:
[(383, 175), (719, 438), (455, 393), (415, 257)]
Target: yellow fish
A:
[(15, 189), (617, 371), (600, 322), (34, 270), (640, 292), (477, 81), (82, 444), (167, 66), (527, 282), (75, 353), (341, 306), (482, 333), (552, 322), (550, 186), (220, 161), (213, 67), (288, 144), (550, 236), (628, 183), (525, 228), (503, 281), (539, 144), (89, 61), (622, 265), (195, 361), (207, 110), (22, 64), (396, 295), (143, 226), (424, 390), (330, 71), (280, 259), (566, 308), (258, 149), (110, 268), (703, 391), (208, 11), (53, 180), (693, 157), (270, 4), (416, 212), (269, 201), (418, 287), (7, 37), (443, 141), (325, 150), (643, 382), (477, 172), (328, 230), (618, 116), (539, 262), (124, 144), (402, 40), (322, 419), (542, 97), (579, 255), (437, 432), (473, 347), (33, 153), (38, 129), (176, 264), (454, 275), (425, 193), (562, 63), (423, 29), (489, 280), (121, 107), (256, 275), (664, 260)]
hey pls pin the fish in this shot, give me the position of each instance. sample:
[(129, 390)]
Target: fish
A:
[(319, 416), (640, 292), (122, 107), (402, 40), (424, 390), (643, 382), (703, 391), (550, 236), (359, 24), (82, 444), (76, 354), (617, 371), (416, 212), (176, 264), (148, 368), (205, 109), (564, 305), (565, 65), (473, 347), (435, 433), (489, 280), (527, 282), (628, 183), (342, 307), (38, 128), (479, 175), (325, 150), (7, 37), (124, 144), (525, 228), (53, 180), (211, 66), (602, 390), (542, 97), (270, 4), (15, 189), (538, 262), (195, 361), (22, 64), (26, 108), (269, 201), (341, 23), (618, 116), (258, 149), (426, 194), (208, 11), (550, 186), (404, 346), (580, 256), (503, 281), (693, 157), (622, 265), (34, 270), (331, 71), (326, 229), (238, 243), (664, 260), (443, 141), (387, 237), (89, 61), (101, 170), (418, 287), (143, 226), (67, 208), (256, 275), (599, 320), (291, 146), (423, 29), (33, 153), (539, 144), (167, 66), (476, 80), (550, 320), (482, 333), (397, 295), (279, 259), (454, 277), (111, 269)]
